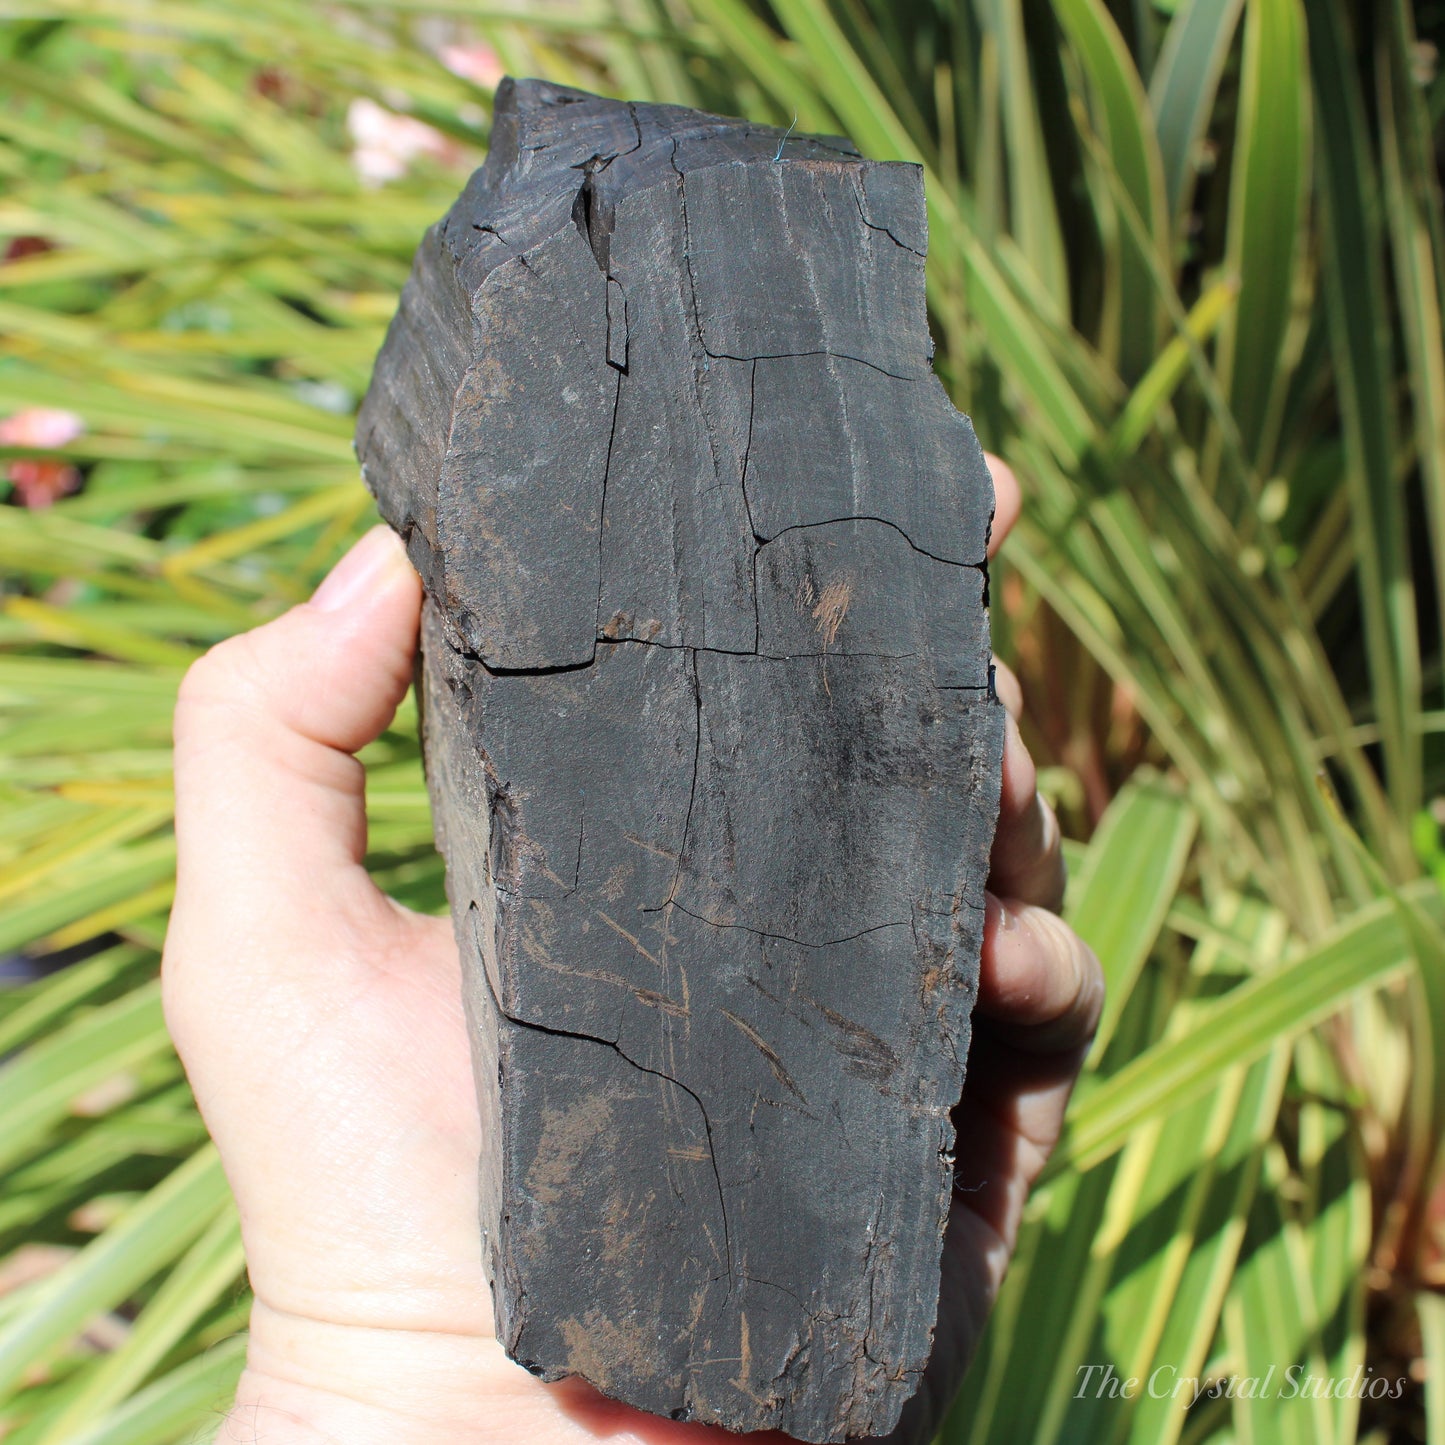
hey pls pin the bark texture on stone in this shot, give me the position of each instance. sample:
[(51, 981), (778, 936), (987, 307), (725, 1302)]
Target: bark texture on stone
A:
[(711, 742)]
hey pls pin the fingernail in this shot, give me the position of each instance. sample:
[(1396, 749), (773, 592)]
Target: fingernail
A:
[(360, 571), (997, 918)]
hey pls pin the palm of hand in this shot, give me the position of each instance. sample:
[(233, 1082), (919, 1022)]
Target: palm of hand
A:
[(322, 1028)]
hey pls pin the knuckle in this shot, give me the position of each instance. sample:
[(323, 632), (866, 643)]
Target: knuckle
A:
[(1033, 859), (221, 697), (1081, 995), (224, 674), (208, 674)]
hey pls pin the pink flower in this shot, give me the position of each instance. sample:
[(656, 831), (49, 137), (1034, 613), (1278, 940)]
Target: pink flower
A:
[(38, 482), (21, 246), (40, 426), (386, 143), (475, 62)]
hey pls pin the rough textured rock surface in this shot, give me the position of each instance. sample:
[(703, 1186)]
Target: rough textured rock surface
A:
[(711, 741)]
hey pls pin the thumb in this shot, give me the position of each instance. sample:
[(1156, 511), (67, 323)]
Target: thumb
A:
[(270, 804)]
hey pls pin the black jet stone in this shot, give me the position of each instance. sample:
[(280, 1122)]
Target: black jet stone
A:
[(711, 744)]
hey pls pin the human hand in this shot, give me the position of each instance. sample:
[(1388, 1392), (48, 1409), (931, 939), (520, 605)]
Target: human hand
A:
[(321, 1026)]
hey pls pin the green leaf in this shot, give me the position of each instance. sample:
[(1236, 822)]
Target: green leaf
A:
[(1425, 941), (1158, 385), (1272, 1327), (1359, 331), (1145, 837), (846, 82), (1033, 216), (38, 1086), (1182, 90), (1335, 1219), (1431, 1309), (123, 875), (1201, 1253), (1368, 952), (207, 1271), (64, 993), (1268, 199), (1416, 216), (146, 1239), (1126, 128), (176, 1405)]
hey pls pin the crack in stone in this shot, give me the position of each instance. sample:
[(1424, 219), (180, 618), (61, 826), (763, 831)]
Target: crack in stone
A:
[(882, 521), (692, 790), (778, 937), (602, 508), (764, 356), (544, 671), (622, 1053), (581, 835), (687, 247), (761, 656), (702, 350), (819, 351), (562, 667), (490, 231), (747, 503), (874, 226)]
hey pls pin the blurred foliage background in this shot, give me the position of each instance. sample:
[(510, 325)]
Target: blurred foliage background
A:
[(1186, 268)]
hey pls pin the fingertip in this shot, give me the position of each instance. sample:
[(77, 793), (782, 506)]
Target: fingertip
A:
[(376, 564), (358, 634), (1006, 686), (333, 669), (1027, 859), (1007, 500), (1020, 780)]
